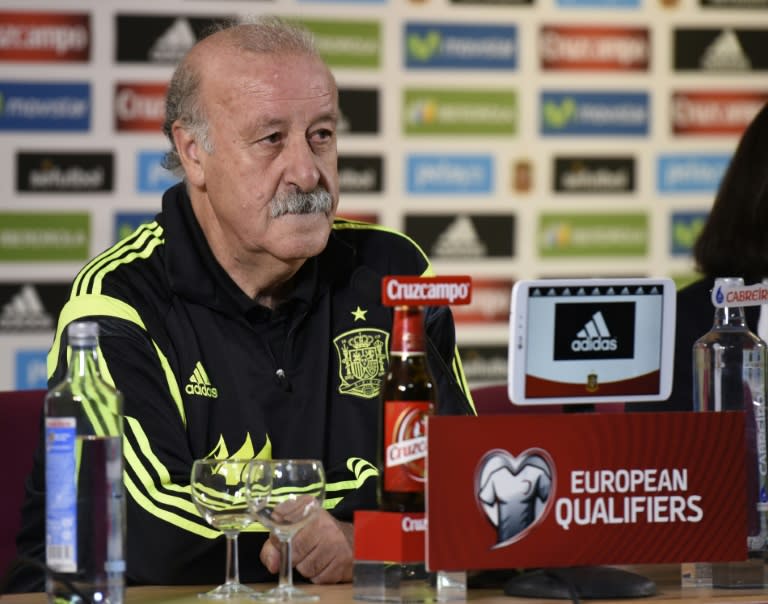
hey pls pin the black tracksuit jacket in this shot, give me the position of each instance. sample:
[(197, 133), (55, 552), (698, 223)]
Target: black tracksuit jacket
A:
[(205, 371)]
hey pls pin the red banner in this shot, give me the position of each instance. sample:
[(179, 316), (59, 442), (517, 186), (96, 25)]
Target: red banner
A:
[(426, 291), (45, 37), (389, 536), (528, 491)]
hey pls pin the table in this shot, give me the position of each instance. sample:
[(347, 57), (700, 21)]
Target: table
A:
[(666, 576)]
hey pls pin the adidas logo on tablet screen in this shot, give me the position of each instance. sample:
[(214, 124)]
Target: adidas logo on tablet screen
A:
[(594, 336)]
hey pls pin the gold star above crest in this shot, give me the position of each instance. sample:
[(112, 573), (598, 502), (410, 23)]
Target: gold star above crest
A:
[(359, 314)]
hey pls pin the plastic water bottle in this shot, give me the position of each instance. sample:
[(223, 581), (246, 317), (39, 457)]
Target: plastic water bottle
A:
[(729, 375), (85, 503)]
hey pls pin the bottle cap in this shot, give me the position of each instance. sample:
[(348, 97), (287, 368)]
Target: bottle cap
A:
[(729, 281), (82, 332)]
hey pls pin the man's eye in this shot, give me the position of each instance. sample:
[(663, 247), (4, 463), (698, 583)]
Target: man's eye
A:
[(323, 134), (273, 138)]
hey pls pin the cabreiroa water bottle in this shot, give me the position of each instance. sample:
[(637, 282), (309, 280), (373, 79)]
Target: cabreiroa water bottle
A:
[(85, 503), (729, 375)]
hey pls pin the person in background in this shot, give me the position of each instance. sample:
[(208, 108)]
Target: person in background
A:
[(733, 243), (245, 321)]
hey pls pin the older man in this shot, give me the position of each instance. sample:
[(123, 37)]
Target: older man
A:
[(227, 322)]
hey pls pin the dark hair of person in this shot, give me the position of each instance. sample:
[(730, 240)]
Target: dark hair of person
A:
[(734, 240)]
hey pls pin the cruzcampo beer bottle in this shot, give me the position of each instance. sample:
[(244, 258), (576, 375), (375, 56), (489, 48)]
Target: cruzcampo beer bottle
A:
[(408, 397), (85, 504)]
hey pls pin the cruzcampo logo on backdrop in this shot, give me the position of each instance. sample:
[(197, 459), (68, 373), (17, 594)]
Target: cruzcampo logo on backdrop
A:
[(44, 237), (347, 43), (442, 111), (561, 235)]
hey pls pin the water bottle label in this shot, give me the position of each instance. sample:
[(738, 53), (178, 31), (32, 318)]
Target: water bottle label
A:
[(61, 494)]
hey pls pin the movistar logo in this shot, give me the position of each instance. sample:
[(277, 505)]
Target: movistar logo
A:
[(424, 47), (559, 114), (595, 335), (200, 384)]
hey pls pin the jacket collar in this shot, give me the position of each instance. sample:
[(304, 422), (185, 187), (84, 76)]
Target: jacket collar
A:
[(195, 274)]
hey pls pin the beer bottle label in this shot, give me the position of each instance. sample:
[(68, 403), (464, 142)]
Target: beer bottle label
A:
[(405, 445)]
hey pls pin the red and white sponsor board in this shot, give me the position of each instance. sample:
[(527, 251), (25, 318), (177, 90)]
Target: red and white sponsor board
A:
[(41, 37), (594, 48), (489, 305), (399, 290), (526, 491), (389, 536), (140, 106), (726, 112)]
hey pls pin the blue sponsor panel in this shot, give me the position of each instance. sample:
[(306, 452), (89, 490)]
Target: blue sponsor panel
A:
[(594, 113), (31, 369), (690, 173), (38, 106), (449, 174), (684, 229), (127, 222), (151, 177), (448, 46)]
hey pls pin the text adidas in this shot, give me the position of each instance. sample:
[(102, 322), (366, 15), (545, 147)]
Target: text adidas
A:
[(202, 390), (590, 344)]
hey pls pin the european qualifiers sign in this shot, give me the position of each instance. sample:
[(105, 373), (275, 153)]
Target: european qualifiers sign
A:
[(531, 491)]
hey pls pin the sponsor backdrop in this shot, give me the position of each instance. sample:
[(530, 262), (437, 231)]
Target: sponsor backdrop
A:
[(511, 138)]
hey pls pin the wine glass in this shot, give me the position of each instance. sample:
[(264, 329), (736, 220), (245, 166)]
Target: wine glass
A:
[(218, 489), (297, 492)]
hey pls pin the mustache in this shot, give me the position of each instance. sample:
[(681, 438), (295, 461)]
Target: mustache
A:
[(315, 202)]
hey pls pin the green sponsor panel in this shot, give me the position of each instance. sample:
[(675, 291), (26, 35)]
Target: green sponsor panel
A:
[(609, 235), (347, 43), (683, 279), (475, 112), (44, 237)]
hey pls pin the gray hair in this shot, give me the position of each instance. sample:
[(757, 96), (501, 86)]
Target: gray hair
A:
[(259, 35)]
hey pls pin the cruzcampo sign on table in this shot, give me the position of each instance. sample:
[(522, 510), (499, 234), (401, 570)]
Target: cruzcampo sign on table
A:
[(50, 237), (592, 234)]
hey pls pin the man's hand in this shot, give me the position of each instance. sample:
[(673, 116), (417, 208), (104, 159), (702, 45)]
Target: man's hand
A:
[(321, 551)]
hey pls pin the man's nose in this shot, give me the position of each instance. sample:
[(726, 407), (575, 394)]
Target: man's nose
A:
[(301, 166)]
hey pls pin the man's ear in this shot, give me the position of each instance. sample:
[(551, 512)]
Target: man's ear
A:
[(188, 149)]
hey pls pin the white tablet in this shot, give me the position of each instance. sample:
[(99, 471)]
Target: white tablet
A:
[(591, 340)]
